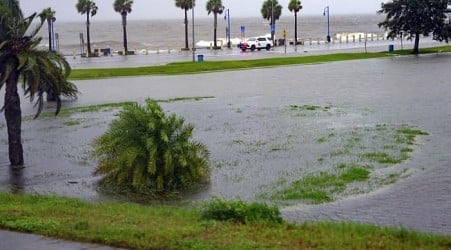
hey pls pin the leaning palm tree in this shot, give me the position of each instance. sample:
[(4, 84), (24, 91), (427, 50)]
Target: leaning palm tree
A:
[(295, 6), (123, 7), (89, 8), (215, 7), (271, 10), (49, 15), (42, 72), (186, 5)]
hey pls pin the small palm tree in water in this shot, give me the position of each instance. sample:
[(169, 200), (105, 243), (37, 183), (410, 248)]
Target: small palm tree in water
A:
[(123, 7), (89, 8), (42, 72), (215, 7), (144, 151), (186, 5)]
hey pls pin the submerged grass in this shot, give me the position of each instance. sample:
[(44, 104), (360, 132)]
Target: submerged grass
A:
[(319, 188), (64, 112), (136, 226), (372, 148), (384, 158)]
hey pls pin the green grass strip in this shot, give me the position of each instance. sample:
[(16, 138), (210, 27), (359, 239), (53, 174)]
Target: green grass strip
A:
[(179, 68), (136, 226)]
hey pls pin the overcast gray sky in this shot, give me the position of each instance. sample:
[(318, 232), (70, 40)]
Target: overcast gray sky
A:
[(163, 9)]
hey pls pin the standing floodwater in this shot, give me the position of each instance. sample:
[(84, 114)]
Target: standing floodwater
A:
[(258, 141)]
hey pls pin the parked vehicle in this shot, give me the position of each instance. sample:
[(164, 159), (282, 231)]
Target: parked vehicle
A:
[(256, 43)]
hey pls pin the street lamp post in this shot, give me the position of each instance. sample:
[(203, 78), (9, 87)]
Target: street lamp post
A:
[(273, 26), (194, 47), (328, 30), (52, 37), (227, 17)]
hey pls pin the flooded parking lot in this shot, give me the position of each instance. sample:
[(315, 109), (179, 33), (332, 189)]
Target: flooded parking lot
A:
[(260, 140)]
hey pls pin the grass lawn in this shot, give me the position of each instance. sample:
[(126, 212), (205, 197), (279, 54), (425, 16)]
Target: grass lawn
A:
[(137, 226), (210, 66)]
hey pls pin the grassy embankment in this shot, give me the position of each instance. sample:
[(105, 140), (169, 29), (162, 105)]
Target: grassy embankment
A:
[(167, 227), (210, 66)]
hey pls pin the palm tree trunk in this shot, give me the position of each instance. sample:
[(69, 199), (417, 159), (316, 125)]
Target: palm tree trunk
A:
[(124, 28), (13, 116), (417, 43), (186, 30), (49, 24), (295, 28), (88, 37), (272, 31), (215, 45)]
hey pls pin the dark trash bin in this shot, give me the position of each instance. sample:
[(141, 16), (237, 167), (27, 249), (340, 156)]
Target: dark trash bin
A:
[(106, 51), (391, 48), (200, 58), (281, 42)]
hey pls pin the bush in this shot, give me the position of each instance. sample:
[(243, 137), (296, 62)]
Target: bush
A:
[(146, 151), (239, 211)]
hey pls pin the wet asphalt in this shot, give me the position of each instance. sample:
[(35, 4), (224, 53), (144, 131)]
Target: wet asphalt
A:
[(23, 241)]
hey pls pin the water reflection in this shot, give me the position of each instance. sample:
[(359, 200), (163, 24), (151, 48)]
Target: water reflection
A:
[(16, 179)]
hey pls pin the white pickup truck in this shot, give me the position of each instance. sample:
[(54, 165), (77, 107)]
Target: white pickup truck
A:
[(254, 43)]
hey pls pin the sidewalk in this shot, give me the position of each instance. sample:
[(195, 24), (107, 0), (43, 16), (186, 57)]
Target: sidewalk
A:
[(22, 241)]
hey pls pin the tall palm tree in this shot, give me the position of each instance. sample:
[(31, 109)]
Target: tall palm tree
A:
[(295, 6), (48, 14), (89, 8), (123, 7), (215, 7), (42, 72), (186, 5), (271, 10)]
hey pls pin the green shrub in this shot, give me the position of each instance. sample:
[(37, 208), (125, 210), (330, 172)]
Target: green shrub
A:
[(145, 151), (239, 211)]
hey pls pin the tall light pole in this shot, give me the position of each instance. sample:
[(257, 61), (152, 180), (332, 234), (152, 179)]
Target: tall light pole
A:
[(52, 38), (194, 46), (273, 26), (227, 17), (328, 30)]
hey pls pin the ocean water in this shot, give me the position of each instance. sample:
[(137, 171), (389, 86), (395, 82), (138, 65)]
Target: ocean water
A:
[(170, 34)]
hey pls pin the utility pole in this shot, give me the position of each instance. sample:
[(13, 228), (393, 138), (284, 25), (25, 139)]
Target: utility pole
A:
[(194, 46), (227, 17)]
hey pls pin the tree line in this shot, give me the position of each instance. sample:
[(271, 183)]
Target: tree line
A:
[(271, 10), (411, 18)]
